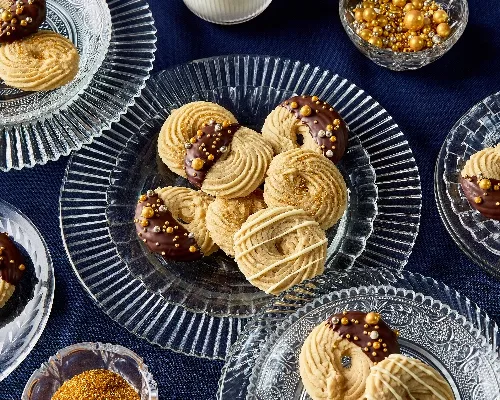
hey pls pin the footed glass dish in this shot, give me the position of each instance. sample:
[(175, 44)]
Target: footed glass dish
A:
[(23, 318), (201, 311), (436, 325), (37, 127), (458, 10), (476, 235), (78, 358)]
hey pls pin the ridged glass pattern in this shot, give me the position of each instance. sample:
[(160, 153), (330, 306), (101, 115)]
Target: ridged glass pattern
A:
[(437, 325), (88, 206), (25, 315), (116, 42), (476, 235)]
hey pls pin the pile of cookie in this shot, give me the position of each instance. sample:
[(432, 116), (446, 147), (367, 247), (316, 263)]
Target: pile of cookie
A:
[(264, 199), (12, 267), (33, 60), (355, 355)]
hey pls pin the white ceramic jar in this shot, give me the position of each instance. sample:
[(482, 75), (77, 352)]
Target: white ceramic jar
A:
[(227, 11)]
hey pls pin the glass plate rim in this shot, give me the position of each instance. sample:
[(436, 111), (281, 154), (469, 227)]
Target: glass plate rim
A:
[(440, 190), (16, 161), (49, 298), (492, 356), (122, 130), (303, 295)]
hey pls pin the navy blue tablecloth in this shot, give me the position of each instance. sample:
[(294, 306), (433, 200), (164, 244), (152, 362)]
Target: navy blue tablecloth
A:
[(425, 103)]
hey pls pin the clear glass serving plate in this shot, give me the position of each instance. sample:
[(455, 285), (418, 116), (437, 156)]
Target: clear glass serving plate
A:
[(78, 358), (476, 235), (115, 60), (437, 325), (199, 315), (23, 318)]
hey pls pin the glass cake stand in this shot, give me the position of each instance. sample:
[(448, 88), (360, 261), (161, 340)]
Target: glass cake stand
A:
[(201, 311)]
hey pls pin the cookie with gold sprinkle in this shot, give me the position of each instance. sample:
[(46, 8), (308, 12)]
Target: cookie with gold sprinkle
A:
[(309, 123), (12, 267), (161, 232), (20, 18), (227, 160), (363, 337)]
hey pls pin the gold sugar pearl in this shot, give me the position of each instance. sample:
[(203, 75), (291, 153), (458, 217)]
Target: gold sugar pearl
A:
[(443, 30), (197, 164), (22, 267), (484, 184), (294, 105), (192, 249), (210, 157), (147, 212), (170, 229), (344, 321), (478, 200), (439, 16), (305, 111), (315, 98)]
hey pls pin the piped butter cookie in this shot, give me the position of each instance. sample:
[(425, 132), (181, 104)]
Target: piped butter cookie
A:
[(400, 377), (20, 18), (305, 179), (279, 247), (181, 126), (226, 216), (308, 123), (227, 160), (360, 339), (12, 268), (161, 232), (43, 61), (189, 208), (480, 180)]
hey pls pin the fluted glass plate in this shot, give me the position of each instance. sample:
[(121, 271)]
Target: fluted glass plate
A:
[(23, 318), (103, 180), (476, 235), (437, 325), (116, 42)]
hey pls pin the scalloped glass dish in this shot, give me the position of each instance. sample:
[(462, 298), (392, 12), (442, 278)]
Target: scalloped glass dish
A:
[(37, 127), (23, 318), (476, 235), (198, 315), (81, 357), (437, 325)]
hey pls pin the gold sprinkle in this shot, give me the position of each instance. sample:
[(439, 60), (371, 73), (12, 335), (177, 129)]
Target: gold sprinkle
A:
[(192, 249)]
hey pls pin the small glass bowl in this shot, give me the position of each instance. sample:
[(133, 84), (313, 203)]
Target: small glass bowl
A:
[(78, 358), (227, 12), (458, 10)]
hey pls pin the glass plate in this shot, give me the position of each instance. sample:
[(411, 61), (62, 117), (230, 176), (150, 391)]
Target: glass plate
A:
[(92, 209), (115, 61), (437, 325), (477, 236), (23, 318)]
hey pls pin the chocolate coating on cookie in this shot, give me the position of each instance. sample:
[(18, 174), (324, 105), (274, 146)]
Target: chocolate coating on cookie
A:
[(367, 331), (483, 195), (161, 232), (325, 124), (11, 260), (204, 149), (21, 19)]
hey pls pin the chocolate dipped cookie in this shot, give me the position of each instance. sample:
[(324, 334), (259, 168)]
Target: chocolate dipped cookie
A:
[(480, 181), (226, 159), (12, 268), (20, 18), (309, 123), (363, 337)]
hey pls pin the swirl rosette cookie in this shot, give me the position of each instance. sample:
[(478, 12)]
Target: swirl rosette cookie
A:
[(12, 268), (182, 125), (305, 179), (43, 61), (308, 123), (400, 377), (279, 247), (365, 338), (20, 18), (226, 216), (480, 181), (227, 160)]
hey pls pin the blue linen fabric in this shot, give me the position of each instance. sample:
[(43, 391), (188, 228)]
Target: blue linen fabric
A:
[(425, 103)]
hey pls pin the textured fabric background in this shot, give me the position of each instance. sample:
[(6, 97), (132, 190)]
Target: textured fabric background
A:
[(425, 103)]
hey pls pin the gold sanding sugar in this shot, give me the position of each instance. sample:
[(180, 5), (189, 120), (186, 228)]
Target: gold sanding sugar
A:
[(96, 384)]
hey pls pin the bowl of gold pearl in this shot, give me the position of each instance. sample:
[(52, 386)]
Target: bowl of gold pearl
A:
[(404, 34)]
